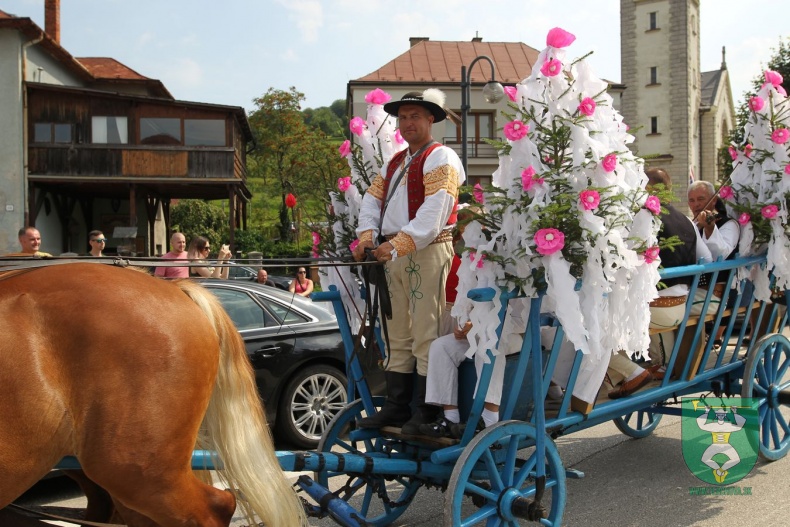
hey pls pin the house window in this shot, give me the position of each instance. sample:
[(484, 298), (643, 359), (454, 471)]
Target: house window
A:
[(654, 125), (52, 133), (204, 132), (479, 126), (160, 131), (654, 75), (653, 20), (112, 130)]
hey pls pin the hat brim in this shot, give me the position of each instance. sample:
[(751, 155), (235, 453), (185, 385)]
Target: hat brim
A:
[(437, 111)]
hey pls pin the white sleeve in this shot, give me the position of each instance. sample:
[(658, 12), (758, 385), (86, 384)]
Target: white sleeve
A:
[(723, 240), (702, 250)]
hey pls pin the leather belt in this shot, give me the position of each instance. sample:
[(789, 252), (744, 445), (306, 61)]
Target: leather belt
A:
[(668, 301), (445, 236)]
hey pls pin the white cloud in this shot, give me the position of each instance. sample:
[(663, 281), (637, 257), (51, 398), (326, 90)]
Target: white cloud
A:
[(308, 16), (144, 39), (184, 75)]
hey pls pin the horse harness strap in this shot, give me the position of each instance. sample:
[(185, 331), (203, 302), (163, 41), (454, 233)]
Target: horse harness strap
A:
[(48, 516)]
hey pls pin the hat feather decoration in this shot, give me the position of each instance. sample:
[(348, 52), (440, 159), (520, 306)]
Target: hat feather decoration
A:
[(435, 96)]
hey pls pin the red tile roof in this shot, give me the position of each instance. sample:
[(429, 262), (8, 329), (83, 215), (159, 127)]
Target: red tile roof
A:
[(3, 14), (441, 61), (109, 68)]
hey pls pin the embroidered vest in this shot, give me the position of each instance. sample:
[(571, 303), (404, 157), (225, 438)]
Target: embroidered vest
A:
[(415, 186)]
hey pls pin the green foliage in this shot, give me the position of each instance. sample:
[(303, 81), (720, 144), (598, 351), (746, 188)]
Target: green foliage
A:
[(195, 217), (291, 156)]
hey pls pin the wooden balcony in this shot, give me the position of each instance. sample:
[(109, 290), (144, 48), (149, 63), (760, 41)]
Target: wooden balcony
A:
[(133, 161)]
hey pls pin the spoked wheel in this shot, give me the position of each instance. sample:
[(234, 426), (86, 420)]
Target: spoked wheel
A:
[(379, 500), (497, 469), (638, 424), (766, 378)]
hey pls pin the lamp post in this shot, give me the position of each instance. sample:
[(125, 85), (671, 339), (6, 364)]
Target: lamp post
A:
[(492, 91)]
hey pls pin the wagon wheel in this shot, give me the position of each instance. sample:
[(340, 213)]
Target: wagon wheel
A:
[(502, 485), (379, 500), (638, 424), (766, 378)]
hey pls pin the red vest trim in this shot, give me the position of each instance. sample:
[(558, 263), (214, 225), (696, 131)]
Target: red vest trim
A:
[(415, 187)]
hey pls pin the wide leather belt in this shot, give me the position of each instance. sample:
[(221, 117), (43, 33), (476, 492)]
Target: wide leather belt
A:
[(668, 301), (444, 236)]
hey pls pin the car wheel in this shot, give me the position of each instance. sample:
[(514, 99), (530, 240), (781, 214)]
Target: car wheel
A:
[(311, 399)]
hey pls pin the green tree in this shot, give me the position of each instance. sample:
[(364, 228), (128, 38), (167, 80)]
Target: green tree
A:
[(779, 62), (290, 157), (326, 120), (195, 217)]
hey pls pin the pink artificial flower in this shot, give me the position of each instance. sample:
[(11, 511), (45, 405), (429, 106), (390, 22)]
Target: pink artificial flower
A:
[(747, 150), (744, 218), (781, 90), (651, 254), (398, 137), (733, 152), (357, 125), (780, 136), (515, 130), (587, 106), (528, 179), (787, 170), (756, 103), (343, 183), (551, 67), (478, 193), (473, 255), (353, 245), (726, 192), (774, 77), (378, 96), (769, 211), (511, 92), (609, 162), (559, 38), (345, 148), (589, 199), (653, 204), (549, 241)]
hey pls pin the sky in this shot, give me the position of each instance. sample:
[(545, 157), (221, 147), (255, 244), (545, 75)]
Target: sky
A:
[(233, 51)]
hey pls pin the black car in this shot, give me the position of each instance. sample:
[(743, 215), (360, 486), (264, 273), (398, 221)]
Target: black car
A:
[(296, 350)]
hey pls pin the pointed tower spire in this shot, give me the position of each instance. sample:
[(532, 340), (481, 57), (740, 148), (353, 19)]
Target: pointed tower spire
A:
[(723, 58)]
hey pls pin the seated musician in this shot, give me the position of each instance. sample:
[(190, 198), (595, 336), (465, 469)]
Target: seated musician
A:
[(720, 234), (668, 310)]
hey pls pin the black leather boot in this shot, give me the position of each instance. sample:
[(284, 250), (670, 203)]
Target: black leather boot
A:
[(396, 410), (426, 413)]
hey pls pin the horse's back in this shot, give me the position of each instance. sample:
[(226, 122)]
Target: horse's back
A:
[(107, 364)]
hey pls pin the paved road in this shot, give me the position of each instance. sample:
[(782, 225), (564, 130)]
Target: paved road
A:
[(627, 482)]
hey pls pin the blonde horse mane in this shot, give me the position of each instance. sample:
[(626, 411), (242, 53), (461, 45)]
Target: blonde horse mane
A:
[(235, 427)]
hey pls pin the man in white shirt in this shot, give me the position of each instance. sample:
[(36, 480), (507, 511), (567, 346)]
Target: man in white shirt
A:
[(406, 220)]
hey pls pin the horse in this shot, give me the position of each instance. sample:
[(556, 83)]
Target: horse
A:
[(128, 373)]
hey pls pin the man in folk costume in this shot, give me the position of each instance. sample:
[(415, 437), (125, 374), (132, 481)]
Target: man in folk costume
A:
[(406, 219)]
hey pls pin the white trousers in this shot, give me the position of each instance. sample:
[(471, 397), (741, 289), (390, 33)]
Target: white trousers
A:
[(444, 357)]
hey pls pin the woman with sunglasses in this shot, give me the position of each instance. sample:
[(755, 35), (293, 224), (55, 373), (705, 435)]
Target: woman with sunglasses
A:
[(199, 249), (97, 243), (301, 285)]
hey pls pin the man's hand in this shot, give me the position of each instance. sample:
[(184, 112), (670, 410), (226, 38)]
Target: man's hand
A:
[(460, 332), (383, 252), (359, 250)]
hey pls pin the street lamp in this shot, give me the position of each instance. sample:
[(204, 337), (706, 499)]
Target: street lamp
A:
[(492, 92)]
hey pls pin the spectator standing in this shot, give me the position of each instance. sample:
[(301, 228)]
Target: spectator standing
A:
[(178, 243), (301, 285), (199, 250), (263, 278), (30, 242), (97, 243)]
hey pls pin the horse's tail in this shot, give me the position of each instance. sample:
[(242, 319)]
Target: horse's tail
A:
[(235, 426)]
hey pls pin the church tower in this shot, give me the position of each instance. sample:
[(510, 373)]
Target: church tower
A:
[(660, 68)]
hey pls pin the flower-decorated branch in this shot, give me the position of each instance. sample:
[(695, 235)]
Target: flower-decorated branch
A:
[(759, 194), (566, 212), (375, 141)]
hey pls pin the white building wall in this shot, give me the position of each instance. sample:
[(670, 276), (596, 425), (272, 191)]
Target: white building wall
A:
[(12, 187)]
